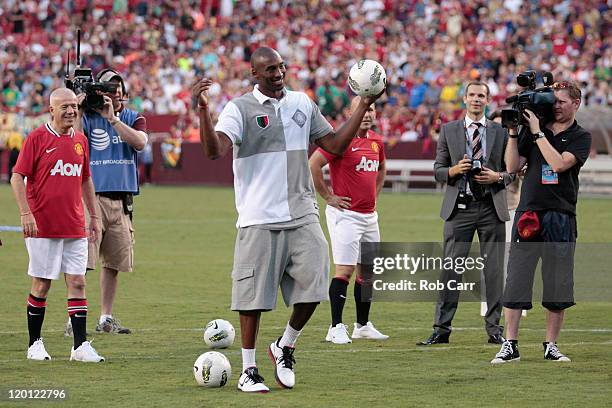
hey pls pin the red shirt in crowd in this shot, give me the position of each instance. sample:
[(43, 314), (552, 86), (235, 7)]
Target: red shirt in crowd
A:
[(56, 167)]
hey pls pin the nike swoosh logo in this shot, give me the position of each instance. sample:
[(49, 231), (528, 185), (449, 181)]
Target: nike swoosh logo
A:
[(50, 150), (343, 297), (564, 140), (354, 149), (33, 314), (216, 326)]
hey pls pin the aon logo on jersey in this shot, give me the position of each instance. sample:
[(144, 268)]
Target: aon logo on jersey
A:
[(367, 165), (67, 169)]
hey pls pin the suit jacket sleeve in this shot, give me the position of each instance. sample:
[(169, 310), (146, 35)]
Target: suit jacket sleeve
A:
[(443, 160)]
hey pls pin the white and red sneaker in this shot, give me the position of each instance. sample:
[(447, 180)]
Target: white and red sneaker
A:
[(283, 364)]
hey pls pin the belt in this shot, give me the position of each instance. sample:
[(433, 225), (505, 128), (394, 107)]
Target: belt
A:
[(486, 197), (114, 195)]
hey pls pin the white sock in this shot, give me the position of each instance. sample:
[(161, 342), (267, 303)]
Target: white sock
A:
[(104, 317), (248, 358), (290, 336)]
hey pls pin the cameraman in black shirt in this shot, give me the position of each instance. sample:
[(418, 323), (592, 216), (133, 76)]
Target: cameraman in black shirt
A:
[(545, 215)]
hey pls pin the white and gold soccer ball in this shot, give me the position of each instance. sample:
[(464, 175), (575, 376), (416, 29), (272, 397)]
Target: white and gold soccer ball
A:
[(219, 333), (212, 369), (367, 77)]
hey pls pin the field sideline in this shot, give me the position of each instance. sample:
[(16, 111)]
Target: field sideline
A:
[(184, 246)]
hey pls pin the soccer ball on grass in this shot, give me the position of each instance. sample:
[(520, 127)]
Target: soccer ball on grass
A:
[(219, 333), (212, 369)]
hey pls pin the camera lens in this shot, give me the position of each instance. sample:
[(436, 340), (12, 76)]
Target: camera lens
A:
[(476, 166)]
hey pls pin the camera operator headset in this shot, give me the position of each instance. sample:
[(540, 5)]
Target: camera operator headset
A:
[(115, 134)]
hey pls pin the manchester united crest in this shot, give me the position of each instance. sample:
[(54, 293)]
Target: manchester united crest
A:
[(375, 147), (78, 148)]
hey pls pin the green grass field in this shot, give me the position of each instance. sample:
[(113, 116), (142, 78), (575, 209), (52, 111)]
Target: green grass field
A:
[(184, 247)]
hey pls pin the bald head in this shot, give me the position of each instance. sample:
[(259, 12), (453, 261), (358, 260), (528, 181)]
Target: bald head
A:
[(264, 55), (268, 69), (60, 94), (63, 106)]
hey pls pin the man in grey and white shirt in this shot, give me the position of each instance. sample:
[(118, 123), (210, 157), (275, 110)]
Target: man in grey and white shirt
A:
[(279, 242)]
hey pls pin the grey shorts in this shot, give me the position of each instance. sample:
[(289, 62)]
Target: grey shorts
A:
[(296, 259)]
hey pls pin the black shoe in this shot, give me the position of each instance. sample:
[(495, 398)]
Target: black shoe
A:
[(496, 339), (551, 352), (435, 338), (508, 353)]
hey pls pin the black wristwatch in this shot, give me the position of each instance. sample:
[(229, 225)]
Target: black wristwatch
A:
[(538, 135)]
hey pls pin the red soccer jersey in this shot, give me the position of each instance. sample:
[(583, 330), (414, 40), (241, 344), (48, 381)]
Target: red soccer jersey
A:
[(56, 166), (353, 174)]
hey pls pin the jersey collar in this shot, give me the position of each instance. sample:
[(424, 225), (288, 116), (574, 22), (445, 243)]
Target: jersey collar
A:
[(56, 133), (261, 98), (367, 135)]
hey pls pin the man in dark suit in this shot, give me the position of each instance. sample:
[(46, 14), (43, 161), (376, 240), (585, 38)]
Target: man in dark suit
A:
[(474, 201)]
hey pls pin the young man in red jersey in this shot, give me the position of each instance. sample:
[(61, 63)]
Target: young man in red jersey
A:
[(55, 161), (357, 176)]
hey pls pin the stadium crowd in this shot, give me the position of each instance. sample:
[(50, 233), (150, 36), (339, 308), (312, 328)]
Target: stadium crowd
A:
[(429, 49)]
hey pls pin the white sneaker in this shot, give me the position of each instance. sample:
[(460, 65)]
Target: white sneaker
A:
[(338, 334), (86, 353), (37, 351), (251, 381), (367, 332), (283, 364)]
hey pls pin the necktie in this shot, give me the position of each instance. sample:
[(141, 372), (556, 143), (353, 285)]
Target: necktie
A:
[(476, 142), (477, 189)]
